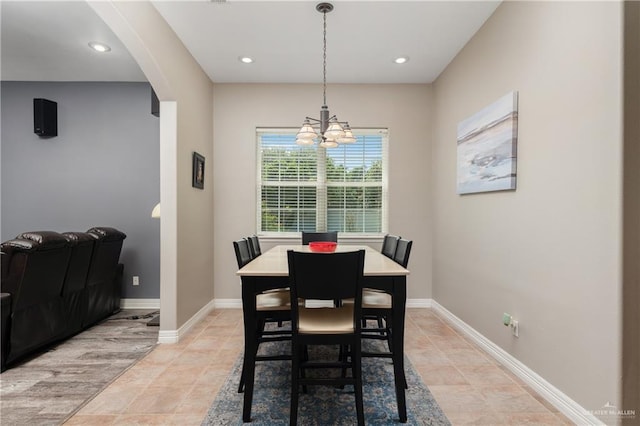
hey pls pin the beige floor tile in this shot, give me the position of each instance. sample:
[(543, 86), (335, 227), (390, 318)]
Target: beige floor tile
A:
[(210, 343), (197, 401), (179, 375), (162, 354), (158, 400), (141, 375), (441, 375), (113, 400), (511, 399), (478, 418), (196, 357), (91, 420), (419, 341), (176, 383), (144, 420), (450, 342), (428, 357), (459, 398), (485, 375), (187, 419), (535, 419), (468, 356)]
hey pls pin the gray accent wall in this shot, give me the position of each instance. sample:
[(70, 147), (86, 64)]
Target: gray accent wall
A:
[(103, 169)]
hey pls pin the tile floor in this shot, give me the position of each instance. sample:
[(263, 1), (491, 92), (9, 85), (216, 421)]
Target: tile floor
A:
[(176, 383)]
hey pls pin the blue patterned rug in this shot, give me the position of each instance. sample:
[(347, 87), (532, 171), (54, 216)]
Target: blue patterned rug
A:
[(324, 405)]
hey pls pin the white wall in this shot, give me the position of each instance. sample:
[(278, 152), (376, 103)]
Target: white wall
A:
[(240, 108), (549, 253), (185, 126)]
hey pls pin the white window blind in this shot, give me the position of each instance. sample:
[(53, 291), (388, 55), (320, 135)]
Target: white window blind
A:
[(303, 188)]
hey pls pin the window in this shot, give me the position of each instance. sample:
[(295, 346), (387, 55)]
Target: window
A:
[(302, 188)]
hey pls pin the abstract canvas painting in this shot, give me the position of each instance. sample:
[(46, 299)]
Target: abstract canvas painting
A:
[(487, 143)]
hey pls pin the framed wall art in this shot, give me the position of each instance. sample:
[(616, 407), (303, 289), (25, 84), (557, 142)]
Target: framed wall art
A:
[(198, 171), (487, 148)]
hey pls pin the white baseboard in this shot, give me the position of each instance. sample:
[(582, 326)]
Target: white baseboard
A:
[(419, 303), (139, 303), (174, 336), (553, 395), (227, 303)]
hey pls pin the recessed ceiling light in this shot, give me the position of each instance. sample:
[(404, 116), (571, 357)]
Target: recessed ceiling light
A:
[(401, 60), (99, 47), (245, 59)]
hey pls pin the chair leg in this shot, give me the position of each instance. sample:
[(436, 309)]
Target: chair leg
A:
[(241, 384), (260, 329), (303, 354), (295, 371), (342, 357), (356, 360)]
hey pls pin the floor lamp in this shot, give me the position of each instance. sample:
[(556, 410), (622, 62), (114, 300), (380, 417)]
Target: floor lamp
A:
[(155, 213)]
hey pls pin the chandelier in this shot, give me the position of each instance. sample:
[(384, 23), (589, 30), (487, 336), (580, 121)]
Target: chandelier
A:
[(331, 131)]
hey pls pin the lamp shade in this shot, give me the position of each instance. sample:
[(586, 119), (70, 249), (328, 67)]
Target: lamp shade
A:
[(328, 143), (307, 131), (155, 213), (301, 141), (335, 131), (348, 135)]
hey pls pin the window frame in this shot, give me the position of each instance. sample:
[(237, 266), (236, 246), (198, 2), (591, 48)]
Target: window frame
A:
[(322, 184)]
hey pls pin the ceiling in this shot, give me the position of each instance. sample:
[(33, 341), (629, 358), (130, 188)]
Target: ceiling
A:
[(48, 41)]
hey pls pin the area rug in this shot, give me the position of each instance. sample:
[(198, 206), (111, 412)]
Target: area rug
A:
[(51, 386), (324, 405)]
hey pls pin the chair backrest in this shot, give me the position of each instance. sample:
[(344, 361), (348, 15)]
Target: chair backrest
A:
[(106, 255), (104, 283), (326, 276), (243, 253), (308, 237), (403, 250), (38, 264), (82, 244), (254, 246), (35, 277), (389, 245)]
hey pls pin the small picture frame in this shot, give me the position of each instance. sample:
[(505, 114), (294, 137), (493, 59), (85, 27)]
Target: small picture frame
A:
[(198, 171)]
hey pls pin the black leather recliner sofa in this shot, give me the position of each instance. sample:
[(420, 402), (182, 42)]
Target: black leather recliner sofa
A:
[(56, 285)]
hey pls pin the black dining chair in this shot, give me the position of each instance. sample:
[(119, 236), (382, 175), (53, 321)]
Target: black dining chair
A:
[(403, 250), (243, 252), (378, 305), (254, 246), (309, 237), (271, 306), (389, 245), (319, 276)]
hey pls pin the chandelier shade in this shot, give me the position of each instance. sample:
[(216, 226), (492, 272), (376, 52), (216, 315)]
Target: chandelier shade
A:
[(307, 131), (331, 132), (348, 135)]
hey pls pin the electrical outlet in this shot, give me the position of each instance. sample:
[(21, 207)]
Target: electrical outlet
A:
[(515, 328), (136, 280), (506, 319)]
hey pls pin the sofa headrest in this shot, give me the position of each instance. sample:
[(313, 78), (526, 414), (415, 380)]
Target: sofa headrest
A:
[(43, 239), (107, 234), (10, 245), (80, 237)]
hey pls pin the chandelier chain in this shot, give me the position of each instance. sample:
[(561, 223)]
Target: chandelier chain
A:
[(324, 58)]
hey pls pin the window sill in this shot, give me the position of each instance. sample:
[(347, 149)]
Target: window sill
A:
[(345, 239)]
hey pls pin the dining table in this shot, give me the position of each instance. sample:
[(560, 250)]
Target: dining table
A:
[(270, 271)]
